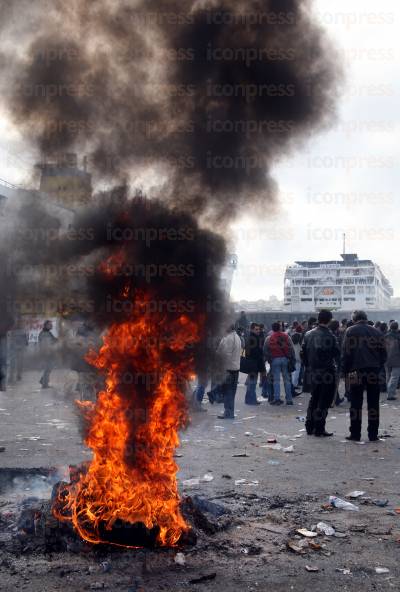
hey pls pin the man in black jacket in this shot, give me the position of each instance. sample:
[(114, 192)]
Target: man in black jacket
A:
[(320, 353), (363, 355)]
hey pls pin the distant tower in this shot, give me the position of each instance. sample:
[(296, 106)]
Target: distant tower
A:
[(64, 182)]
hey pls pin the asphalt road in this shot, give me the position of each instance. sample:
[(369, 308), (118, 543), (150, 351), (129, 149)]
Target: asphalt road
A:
[(270, 492)]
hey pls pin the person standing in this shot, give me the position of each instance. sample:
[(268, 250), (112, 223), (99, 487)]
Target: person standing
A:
[(311, 323), (297, 338), (363, 356), (335, 328), (18, 343), (254, 352), (47, 342), (230, 350), (321, 354), (392, 342), (279, 353)]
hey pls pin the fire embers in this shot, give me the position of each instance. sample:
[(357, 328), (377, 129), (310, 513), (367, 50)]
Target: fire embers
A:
[(128, 494)]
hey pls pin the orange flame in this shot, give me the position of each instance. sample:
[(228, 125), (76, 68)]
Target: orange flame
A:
[(133, 430)]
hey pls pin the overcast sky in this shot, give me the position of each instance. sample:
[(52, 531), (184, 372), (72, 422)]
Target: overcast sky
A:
[(345, 180)]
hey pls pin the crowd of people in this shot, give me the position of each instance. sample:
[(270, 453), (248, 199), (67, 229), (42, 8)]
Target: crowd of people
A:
[(313, 356)]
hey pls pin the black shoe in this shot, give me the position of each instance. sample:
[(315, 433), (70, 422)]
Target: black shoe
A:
[(310, 432), (226, 417), (339, 402), (254, 403), (324, 434), (374, 439), (211, 397), (353, 438), (296, 394), (391, 399), (289, 403)]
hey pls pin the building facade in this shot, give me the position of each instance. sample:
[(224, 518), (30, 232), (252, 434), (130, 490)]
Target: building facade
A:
[(64, 182), (344, 285)]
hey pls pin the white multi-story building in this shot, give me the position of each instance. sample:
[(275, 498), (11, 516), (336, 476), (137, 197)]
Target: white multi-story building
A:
[(228, 272), (349, 284)]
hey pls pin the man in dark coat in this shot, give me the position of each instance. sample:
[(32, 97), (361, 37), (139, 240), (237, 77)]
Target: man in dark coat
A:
[(254, 351), (320, 353), (363, 355)]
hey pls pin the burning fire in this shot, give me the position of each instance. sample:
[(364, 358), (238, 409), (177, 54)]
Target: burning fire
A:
[(133, 428)]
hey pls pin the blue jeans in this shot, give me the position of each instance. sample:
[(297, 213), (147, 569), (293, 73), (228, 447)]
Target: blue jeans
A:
[(229, 388), (251, 395), (280, 366)]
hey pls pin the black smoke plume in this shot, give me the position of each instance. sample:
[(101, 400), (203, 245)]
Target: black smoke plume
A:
[(204, 96), (209, 95)]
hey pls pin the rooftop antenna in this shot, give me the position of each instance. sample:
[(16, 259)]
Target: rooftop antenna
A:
[(344, 244)]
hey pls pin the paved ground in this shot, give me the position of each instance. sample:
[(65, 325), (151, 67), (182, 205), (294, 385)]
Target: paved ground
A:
[(281, 493)]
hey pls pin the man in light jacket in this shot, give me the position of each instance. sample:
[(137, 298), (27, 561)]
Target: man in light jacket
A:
[(230, 350)]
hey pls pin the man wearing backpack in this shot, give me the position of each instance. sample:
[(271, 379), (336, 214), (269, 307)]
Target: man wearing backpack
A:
[(279, 353), (321, 354)]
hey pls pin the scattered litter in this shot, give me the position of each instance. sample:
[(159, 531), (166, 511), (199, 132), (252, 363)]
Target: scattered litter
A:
[(340, 535), (2, 448), (397, 510), (106, 566), (191, 482), (367, 479), (381, 570), (202, 579), (302, 419), (297, 546), (355, 494), (380, 503), (241, 455), (312, 568), (276, 462), (180, 559), (248, 434), (315, 546), (307, 533), (345, 572), (246, 482), (197, 480), (226, 477), (272, 441), (272, 446), (337, 502), (289, 449), (325, 529)]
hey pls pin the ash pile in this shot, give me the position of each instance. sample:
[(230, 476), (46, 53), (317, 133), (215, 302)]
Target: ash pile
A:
[(28, 525)]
